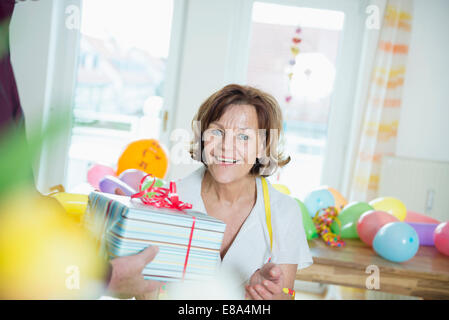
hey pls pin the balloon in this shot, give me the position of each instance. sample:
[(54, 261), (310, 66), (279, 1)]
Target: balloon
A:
[(340, 201), (419, 218), (396, 241), (309, 226), (96, 173), (370, 222), (114, 185), (132, 177), (146, 155), (441, 238), (348, 219), (74, 204), (44, 254), (390, 205), (425, 232), (318, 199), (281, 188)]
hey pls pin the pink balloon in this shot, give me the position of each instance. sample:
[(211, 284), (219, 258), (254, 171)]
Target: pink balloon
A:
[(415, 217), (370, 222), (441, 238), (98, 172)]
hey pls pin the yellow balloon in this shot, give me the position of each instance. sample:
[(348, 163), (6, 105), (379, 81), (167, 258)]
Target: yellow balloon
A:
[(44, 254), (390, 205), (282, 188), (74, 204)]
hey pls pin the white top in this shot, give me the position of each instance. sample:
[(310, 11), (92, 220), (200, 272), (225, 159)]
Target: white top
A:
[(250, 249)]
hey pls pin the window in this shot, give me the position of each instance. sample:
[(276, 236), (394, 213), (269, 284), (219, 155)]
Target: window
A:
[(302, 81), (121, 72)]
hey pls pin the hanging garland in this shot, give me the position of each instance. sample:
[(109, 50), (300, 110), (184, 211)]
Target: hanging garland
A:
[(294, 49)]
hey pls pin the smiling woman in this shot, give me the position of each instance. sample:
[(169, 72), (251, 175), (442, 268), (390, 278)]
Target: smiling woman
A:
[(255, 118), (237, 133)]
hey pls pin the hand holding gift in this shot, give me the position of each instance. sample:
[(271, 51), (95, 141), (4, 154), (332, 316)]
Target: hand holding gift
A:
[(127, 280)]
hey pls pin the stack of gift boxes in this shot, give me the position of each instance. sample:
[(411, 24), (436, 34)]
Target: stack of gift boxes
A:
[(189, 242)]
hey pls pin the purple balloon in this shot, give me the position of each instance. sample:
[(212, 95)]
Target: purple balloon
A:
[(425, 232), (132, 177), (111, 184)]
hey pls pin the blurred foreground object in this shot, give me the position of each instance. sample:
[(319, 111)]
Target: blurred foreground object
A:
[(74, 204), (43, 253)]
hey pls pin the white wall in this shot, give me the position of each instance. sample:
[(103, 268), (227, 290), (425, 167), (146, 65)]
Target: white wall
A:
[(44, 72), (30, 45), (423, 131)]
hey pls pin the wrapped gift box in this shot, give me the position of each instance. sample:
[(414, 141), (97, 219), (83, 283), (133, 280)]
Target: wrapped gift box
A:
[(189, 241)]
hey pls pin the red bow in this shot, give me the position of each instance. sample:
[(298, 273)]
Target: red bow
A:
[(162, 197)]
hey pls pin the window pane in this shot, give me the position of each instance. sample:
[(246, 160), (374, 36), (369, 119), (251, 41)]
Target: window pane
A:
[(302, 82), (123, 54)]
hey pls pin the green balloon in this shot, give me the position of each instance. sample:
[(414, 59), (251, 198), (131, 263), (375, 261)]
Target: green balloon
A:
[(309, 226), (149, 181), (348, 218)]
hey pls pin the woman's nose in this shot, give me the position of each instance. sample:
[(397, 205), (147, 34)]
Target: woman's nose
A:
[(228, 144)]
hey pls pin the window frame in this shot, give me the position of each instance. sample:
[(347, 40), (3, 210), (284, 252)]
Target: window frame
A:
[(343, 97)]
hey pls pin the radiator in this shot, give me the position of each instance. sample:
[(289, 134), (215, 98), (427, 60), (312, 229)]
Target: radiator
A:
[(422, 185)]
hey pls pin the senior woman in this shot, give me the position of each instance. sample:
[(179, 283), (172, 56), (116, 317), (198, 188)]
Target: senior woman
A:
[(236, 138)]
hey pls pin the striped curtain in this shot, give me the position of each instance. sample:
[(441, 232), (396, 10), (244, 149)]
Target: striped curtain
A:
[(382, 109)]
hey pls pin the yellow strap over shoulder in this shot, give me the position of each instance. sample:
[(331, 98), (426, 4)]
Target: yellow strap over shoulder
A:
[(266, 199)]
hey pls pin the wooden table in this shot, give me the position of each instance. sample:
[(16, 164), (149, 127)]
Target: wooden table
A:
[(426, 275)]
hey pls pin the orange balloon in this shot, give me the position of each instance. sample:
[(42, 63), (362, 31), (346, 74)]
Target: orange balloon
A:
[(146, 155), (340, 201)]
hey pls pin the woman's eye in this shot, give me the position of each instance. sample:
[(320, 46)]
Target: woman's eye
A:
[(217, 132), (243, 136)]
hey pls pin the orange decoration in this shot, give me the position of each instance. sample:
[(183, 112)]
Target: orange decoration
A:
[(340, 201), (146, 155)]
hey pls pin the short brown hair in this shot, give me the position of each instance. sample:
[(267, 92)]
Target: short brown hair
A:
[(269, 117)]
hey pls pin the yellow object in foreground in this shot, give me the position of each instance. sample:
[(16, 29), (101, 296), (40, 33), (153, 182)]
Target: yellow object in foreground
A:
[(44, 254), (74, 204)]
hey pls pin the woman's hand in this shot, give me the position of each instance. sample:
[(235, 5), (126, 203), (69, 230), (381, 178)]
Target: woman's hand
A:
[(266, 283)]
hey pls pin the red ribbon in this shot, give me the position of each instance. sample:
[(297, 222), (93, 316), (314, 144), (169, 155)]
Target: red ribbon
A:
[(162, 197), (165, 198)]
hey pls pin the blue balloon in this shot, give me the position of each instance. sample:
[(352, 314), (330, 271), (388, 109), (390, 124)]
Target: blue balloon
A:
[(396, 241), (318, 199)]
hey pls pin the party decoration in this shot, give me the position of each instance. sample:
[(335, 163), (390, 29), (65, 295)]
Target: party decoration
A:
[(146, 155), (323, 222), (294, 50), (340, 201), (114, 185), (98, 172), (396, 241), (307, 222), (132, 177), (441, 238), (160, 197), (74, 204), (318, 199), (349, 217), (390, 205), (282, 188), (419, 218), (425, 232), (370, 222)]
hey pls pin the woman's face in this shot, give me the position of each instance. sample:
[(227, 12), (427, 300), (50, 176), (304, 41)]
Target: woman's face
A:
[(231, 144)]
